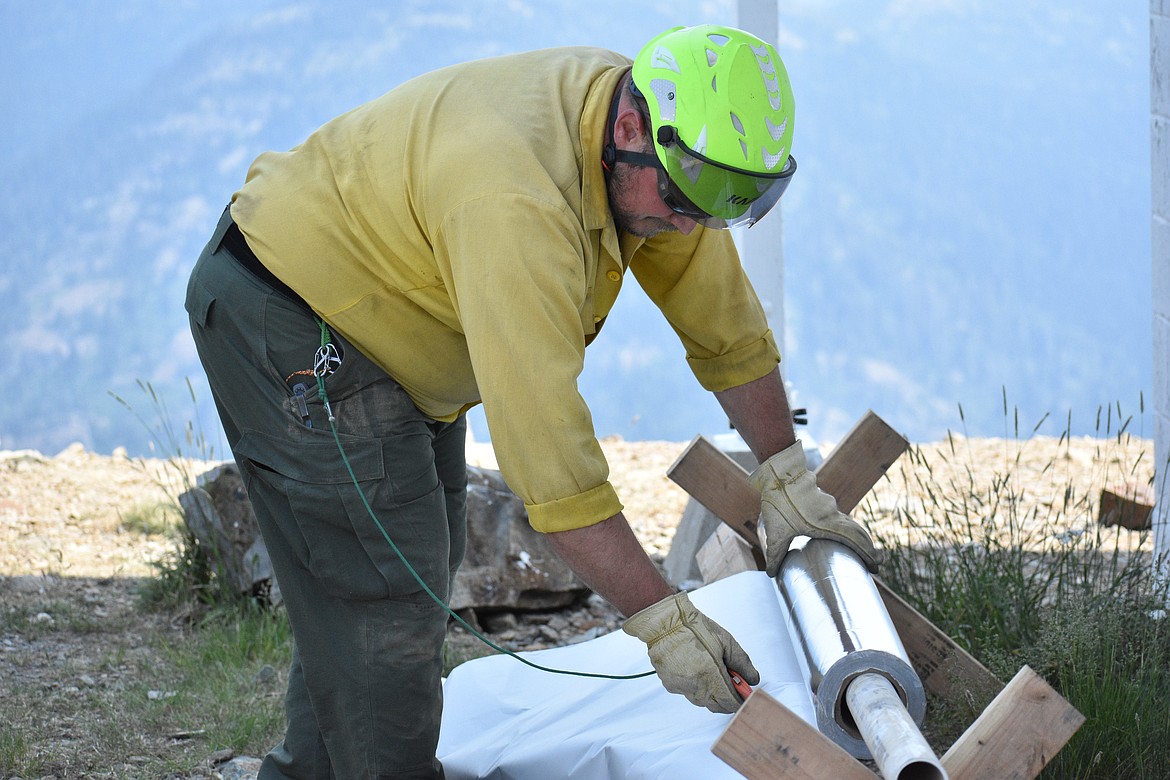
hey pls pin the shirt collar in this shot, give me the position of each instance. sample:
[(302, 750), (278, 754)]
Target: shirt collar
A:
[(594, 196)]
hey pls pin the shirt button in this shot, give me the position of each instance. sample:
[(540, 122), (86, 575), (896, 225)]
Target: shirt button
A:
[(596, 320), (614, 276)]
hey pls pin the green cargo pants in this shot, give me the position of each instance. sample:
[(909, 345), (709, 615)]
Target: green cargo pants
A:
[(364, 695)]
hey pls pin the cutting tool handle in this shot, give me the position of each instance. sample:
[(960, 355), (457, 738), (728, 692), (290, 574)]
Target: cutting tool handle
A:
[(741, 687)]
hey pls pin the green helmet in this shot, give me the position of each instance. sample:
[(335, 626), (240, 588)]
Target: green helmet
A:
[(721, 115)]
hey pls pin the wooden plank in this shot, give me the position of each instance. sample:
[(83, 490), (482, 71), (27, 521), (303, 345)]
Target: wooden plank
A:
[(725, 553), (1129, 506), (767, 741), (720, 484), (851, 470), (859, 460), (1017, 735), (945, 669)]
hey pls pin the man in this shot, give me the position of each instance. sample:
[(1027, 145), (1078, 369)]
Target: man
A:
[(460, 240)]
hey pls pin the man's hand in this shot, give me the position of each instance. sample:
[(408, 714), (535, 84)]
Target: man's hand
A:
[(792, 505), (691, 653)]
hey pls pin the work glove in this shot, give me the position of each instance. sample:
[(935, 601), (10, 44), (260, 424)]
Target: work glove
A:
[(691, 653), (792, 505)]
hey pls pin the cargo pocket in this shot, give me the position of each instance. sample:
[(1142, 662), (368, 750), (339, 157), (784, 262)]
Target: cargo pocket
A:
[(199, 302), (343, 546)]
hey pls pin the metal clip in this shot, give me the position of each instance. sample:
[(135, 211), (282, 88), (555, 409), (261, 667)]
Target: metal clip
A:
[(326, 361), (299, 390)]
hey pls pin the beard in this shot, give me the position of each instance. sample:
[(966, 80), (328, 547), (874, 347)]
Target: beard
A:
[(625, 218)]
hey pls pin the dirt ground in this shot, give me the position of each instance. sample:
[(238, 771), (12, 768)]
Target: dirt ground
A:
[(73, 547), (76, 545)]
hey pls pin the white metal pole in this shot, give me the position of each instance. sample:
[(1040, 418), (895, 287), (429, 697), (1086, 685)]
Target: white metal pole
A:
[(898, 747), (761, 246), (1160, 162)]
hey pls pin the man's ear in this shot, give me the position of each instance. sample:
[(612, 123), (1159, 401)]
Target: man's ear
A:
[(629, 131)]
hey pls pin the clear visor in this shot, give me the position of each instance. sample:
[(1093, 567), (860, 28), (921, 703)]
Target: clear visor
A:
[(715, 195)]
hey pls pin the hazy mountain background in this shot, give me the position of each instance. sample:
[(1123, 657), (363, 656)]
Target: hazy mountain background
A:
[(971, 216)]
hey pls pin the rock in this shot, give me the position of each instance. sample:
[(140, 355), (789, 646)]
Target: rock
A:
[(240, 768), (500, 622), (71, 452), (220, 516), (507, 564), (265, 675), (21, 459), (222, 756)]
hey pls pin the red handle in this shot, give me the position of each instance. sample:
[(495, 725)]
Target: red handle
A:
[(741, 687)]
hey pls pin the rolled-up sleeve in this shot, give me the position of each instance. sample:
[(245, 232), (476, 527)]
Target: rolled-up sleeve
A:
[(699, 284)]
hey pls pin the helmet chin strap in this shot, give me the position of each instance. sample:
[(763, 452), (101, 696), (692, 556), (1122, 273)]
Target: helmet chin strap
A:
[(610, 154), (641, 159)]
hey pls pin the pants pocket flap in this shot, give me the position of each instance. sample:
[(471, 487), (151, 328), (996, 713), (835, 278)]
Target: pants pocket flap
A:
[(315, 460)]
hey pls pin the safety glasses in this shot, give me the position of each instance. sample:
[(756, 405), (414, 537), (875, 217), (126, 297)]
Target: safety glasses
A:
[(717, 195)]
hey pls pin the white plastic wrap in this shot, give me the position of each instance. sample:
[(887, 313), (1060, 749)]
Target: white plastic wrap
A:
[(505, 720)]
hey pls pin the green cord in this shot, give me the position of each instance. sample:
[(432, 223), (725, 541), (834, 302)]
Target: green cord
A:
[(325, 341)]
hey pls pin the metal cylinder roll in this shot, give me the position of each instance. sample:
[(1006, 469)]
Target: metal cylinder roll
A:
[(844, 630)]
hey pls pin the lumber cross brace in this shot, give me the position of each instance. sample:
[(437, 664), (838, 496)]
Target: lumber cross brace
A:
[(1022, 725)]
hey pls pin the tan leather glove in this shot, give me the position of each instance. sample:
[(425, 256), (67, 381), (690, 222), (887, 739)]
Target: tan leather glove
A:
[(792, 505), (691, 653)]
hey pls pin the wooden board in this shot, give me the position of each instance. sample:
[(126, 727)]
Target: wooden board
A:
[(851, 470), (1017, 735), (1129, 506), (720, 484), (859, 460), (946, 670), (726, 553), (767, 741)]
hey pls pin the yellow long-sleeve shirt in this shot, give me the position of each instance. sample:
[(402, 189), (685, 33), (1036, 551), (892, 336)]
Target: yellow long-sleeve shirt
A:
[(457, 231)]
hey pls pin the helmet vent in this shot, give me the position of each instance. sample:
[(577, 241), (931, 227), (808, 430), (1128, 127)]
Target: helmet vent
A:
[(743, 148), (712, 58), (718, 39), (738, 125), (774, 130), (663, 58), (772, 160), (768, 71)]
